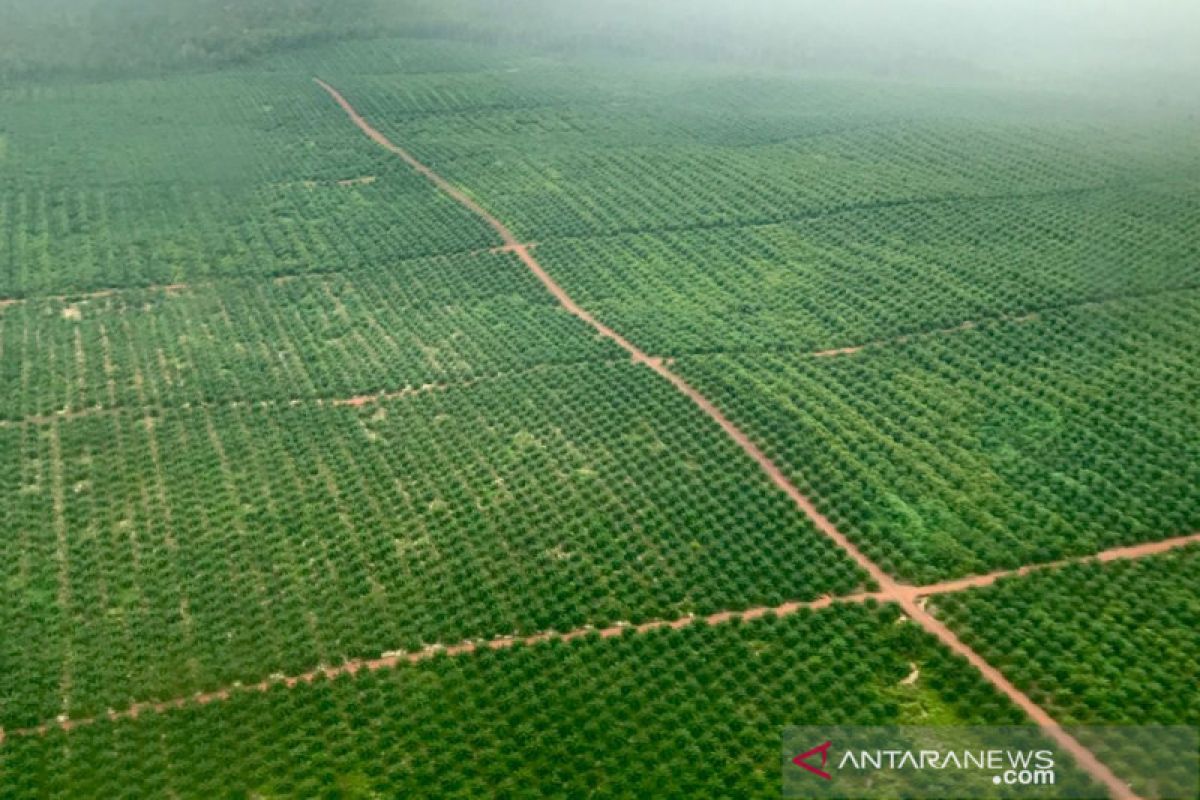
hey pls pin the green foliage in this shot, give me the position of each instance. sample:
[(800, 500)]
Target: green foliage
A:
[(1013, 443), (1111, 644), (149, 556), (671, 713), (111, 38), (582, 148), (196, 178), (203, 513), (385, 328), (881, 272)]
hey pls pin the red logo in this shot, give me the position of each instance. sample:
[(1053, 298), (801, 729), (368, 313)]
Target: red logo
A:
[(800, 760)]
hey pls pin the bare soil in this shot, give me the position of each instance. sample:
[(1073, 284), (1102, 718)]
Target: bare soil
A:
[(366, 399), (839, 351)]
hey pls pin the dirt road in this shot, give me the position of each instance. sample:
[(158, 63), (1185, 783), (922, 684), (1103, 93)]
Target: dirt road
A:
[(1115, 554), (389, 660), (890, 589)]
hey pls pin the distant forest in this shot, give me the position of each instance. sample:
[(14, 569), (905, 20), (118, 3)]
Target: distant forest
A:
[(104, 39), (1126, 53), (117, 38)]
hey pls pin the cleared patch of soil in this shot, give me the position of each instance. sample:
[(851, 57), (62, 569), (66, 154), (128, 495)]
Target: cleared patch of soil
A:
[(367, 399), (840, 351)]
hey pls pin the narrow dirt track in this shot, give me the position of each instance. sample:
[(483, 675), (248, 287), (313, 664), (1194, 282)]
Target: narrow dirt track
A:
[(511, 244), (1115, 554), (916, 593), (1009, 318), (354, 401), (890, 589), (97, 294), (395, 659), (358, 401), (175, 288)]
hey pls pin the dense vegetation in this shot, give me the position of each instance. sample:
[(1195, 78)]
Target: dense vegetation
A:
[(150, 555), (1112, 644), (91, 39), (876, 273), (1016, 442), (252, 172), (232, 175), (198, 269), (382, 329), (689, 713), (582, 149)]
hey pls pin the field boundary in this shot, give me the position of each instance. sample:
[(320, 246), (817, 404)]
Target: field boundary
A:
[(890, 589), (868, 206), (99, 294), (1022, 317), (211, 281), (358, 400), (108, 291), (394, 659), (1031, 314), (1122, 553)]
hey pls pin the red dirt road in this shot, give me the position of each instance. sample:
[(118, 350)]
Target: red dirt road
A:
[(393, 660), (511, 243), (915, 593), (1105, 556), (637, 354), (890, 589)]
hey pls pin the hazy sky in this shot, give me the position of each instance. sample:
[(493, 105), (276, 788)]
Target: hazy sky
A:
[(1123, 45), (1143, 49), (1115, 45), (1016, 36), (1029, 35)]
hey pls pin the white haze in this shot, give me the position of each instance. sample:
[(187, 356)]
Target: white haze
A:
[(1146, 47)]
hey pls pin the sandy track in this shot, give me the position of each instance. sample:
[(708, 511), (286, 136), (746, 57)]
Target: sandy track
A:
[(890, 589), (354, 401), (389, 660), (96, 294), (962, 327), (838, 351), (175, 288), (1123, 553)]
